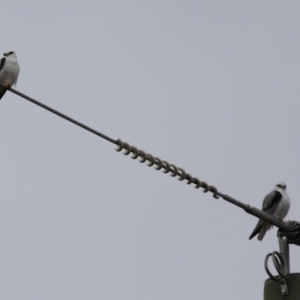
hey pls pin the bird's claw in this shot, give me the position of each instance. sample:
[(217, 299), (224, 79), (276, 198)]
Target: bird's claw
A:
[(7, 85)]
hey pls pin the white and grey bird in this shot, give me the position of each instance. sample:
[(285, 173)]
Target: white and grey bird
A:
[(276, 203), (9, 71)]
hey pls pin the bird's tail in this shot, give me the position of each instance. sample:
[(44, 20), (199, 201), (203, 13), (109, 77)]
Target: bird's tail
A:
[(2, 91), (257, 229), (263, 231)]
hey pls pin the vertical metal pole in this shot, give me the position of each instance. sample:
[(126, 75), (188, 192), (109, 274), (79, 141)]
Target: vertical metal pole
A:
[(284, 251), (285, 287)]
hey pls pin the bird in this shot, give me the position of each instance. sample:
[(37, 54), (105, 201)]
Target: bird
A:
[(276, 203), (9, 71)]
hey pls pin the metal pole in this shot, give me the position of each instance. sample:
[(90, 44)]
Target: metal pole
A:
[(285, 285)]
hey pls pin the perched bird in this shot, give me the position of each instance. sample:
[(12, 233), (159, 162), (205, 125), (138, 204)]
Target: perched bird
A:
[(9, 71), (276, 203)]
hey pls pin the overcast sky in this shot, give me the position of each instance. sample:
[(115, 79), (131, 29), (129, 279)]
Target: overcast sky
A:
[(211, 86)]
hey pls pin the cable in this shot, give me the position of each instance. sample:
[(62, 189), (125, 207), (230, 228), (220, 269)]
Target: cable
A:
[(290, 228), (159, 164), (165, 167), (54, 111)]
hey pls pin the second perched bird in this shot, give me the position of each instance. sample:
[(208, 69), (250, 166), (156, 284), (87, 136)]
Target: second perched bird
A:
[(276, 203), (9, 71)]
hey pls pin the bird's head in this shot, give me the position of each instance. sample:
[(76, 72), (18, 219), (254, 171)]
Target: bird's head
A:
[(280, 186), (10, 54)]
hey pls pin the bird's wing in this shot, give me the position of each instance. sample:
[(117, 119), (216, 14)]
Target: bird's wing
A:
[(2, 62), (269, 206), (257, 229), (271, 202), (2, 88), (2, 91)]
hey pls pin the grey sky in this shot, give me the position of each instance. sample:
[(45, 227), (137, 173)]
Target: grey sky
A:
[(212, 86)]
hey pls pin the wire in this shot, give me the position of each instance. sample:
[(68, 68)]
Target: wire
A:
[(290, 228), (54, 111), (163, 165)]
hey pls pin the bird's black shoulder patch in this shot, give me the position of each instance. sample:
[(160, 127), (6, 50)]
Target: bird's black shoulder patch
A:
[(276, 198), (2, 62)]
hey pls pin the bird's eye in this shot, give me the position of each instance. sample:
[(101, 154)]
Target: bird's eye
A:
[(11, 52)]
